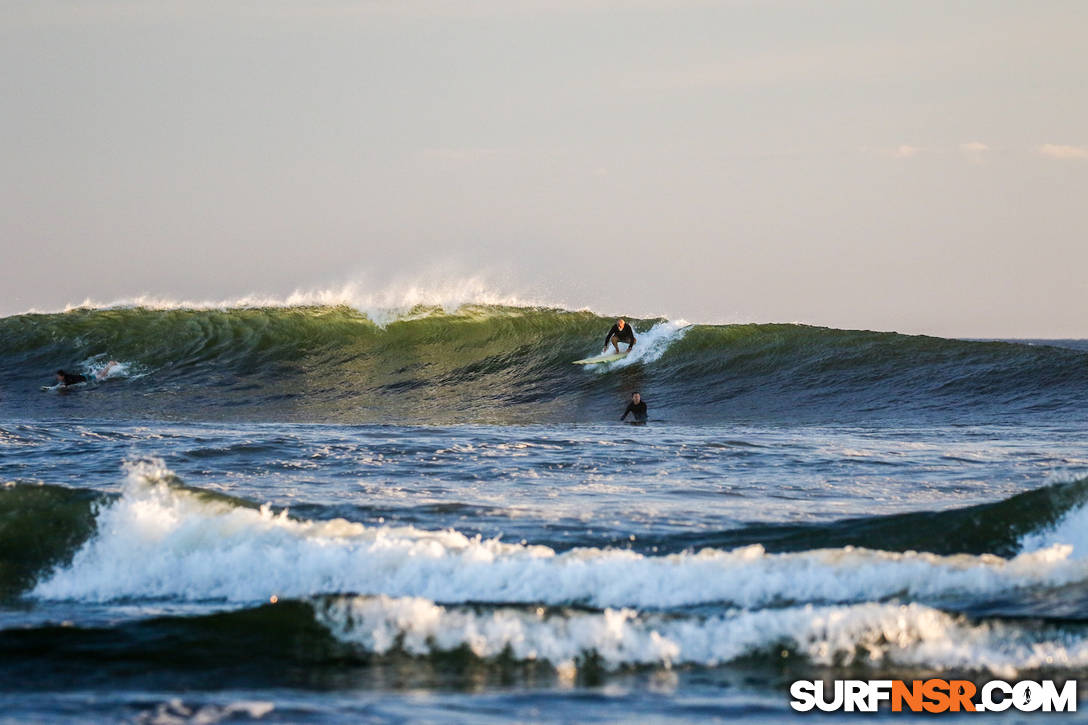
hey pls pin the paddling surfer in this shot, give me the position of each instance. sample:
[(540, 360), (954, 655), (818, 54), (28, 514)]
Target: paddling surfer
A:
[(65, 379), (620, 332), (636, 408)]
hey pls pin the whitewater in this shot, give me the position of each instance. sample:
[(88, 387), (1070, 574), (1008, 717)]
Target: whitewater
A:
[(340, 507)]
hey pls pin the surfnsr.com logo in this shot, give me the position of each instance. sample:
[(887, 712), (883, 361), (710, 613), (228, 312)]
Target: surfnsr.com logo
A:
[(933, 696)]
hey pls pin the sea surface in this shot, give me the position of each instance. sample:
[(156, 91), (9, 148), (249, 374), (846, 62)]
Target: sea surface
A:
[(316, 514)]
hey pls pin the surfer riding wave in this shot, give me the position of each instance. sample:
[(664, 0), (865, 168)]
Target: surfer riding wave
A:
[(620, 332)]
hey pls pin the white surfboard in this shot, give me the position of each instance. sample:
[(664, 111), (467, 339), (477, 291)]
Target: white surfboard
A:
[(61, 388), (610, 357)]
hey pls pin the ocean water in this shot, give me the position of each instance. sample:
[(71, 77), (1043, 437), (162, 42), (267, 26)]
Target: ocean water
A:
[(314, 514)]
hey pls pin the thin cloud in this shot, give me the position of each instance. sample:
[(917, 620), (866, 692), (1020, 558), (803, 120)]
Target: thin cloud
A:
[(903, 151), (974, 147), (1057, 151), (974, 151)]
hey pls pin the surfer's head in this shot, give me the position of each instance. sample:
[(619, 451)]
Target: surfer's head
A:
[(620, 323), (60, 375), (636, 397)]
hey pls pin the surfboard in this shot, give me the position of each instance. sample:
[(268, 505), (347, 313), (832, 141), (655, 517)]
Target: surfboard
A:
[(58, 388), (611, 357), (62, 388)]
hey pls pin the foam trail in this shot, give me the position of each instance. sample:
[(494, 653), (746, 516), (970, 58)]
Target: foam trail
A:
[(157, 541), (98, 368), (862, 634), (651, 345)]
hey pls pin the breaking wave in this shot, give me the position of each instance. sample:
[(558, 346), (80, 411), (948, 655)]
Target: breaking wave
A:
[(397, 590), (511, 364)]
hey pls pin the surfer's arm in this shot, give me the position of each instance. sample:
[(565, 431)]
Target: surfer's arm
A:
[(608, 337), (629, 406), (632, 343)]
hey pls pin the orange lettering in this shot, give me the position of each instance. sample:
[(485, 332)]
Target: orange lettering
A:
[(912, 695), (961, 692), (937, 692)]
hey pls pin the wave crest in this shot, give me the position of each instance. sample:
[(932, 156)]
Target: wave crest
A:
[(162, 539), (500, 364)]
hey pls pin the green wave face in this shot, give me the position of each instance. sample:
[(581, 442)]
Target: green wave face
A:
[(40, 527), (512, 365)]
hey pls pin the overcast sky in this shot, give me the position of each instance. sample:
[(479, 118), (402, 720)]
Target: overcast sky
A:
[(908, 165)]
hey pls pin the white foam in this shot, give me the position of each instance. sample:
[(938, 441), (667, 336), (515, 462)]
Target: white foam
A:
[(860, 634), (1070, 530), (381, 305), (650, 346), (98, 368), (175, 711), (156, 541)]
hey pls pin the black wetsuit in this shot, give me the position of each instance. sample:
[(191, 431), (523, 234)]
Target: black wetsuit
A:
[(70, 379), (638, 409), (625, 335)]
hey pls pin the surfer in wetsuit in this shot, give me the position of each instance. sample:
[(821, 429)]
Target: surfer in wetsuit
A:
[(67, 379), (620, 332), (636, 408)]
